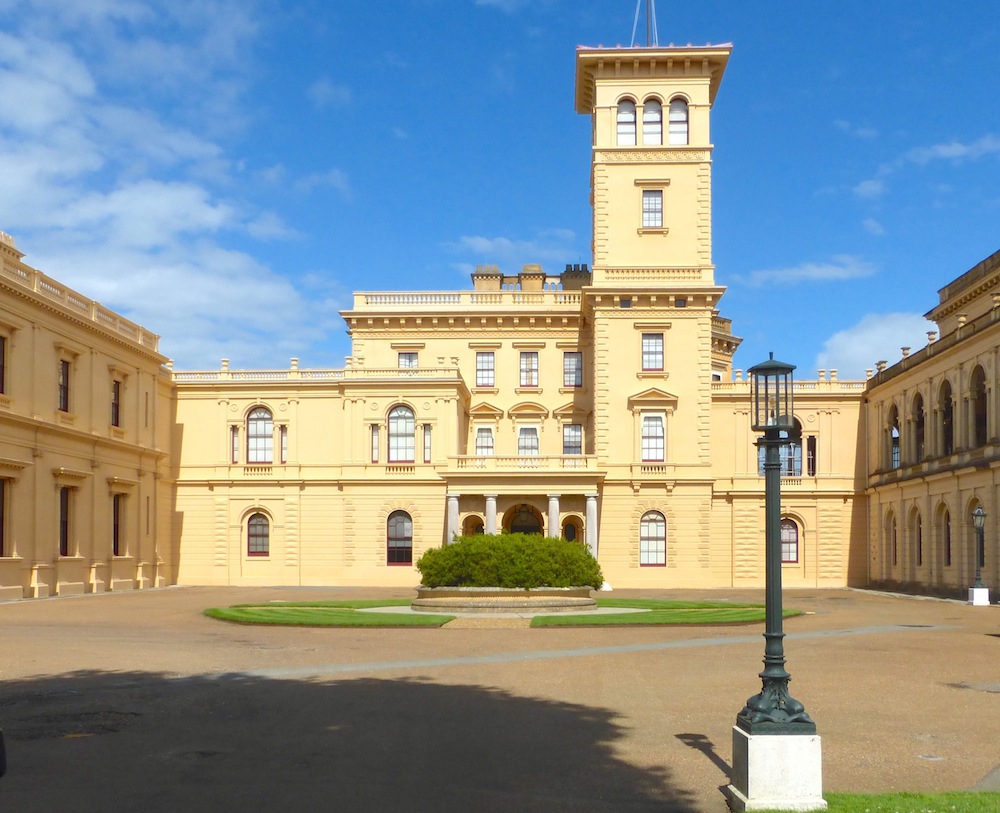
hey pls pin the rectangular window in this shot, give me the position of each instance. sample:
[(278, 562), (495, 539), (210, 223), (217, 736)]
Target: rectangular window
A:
[(117, 518), (652, 351), (234, 444), (652, 208), (64, 521), (63, 385), (145, 411), (408, 361), (116, 403), (427, 443), (283, 438), (484, 441), (811, 455), (653, 444), (573, 438), (529, 369), (527, 441), (3, 364), (573, 369), (485, 370), (374, 443), (148, 515)]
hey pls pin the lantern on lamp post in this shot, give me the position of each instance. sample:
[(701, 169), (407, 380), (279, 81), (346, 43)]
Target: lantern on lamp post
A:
[(979, 521), (773, 711)]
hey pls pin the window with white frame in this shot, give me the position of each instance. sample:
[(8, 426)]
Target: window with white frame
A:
[(573, 438), (234, 444), (374, 443), (260, 436), (408, 361), (529, 368), (652, 122), (401, 431), (626, 123), (652, 208), (484, 441), (485, 369), (527, 440), (427, 443), (283, 438), (652, 540), (678, 124), (573, 369), (789, 542), (652, 352), (653, 438)]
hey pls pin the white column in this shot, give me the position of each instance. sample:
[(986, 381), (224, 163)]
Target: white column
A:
[(591, 532), (554, 515), (452, 518), (491, 513)]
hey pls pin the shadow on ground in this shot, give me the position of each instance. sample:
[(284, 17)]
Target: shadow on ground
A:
[(139, 741)]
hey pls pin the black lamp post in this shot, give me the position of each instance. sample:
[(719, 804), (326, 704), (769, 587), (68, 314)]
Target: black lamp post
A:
[(773, 711), (979, 520)]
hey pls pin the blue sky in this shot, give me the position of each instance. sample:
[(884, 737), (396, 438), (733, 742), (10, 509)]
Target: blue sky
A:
[(227, 172)]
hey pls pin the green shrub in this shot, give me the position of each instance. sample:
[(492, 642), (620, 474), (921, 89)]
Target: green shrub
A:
[(510, 560)]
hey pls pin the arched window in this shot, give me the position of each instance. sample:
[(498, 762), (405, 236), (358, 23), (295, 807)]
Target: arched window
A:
[(946, 538), (258, 536), (626, 123), (789, 542), (916, 538), (401, 428), (678, 122), (977, 396), (652, 122), (946, 410), (399, 539), (917, 414), (260, 436), (892, 436), (652, 540)]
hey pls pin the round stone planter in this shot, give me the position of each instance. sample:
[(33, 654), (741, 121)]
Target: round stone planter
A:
[(503, 600)]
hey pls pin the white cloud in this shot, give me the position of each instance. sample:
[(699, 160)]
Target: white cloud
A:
[(324, 93), (955, 151), (508, 6), (872, 226), (334, 178), (872, 188), (855, 130), (877, 336), (841, 267), (551, 247)]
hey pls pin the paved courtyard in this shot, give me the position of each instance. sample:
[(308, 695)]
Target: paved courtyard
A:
[(135, 701)]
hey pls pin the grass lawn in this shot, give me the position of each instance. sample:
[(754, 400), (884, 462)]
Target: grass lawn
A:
[(913, 802), (661, 613), (344, 614)]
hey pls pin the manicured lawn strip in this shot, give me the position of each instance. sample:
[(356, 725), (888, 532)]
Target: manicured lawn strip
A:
[(313, 616), (718, 615), (958, 802)]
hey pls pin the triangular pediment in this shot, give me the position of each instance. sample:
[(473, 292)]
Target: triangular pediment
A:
[(653, 397), (528, 409), (569, 410), (485, 410)]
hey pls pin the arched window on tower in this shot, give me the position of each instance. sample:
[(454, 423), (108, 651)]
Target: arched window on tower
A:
[(652, 123), (678, 121), (626, 123)]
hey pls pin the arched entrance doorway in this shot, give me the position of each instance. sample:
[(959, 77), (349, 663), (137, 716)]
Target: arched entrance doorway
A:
[(473, 525), (523, 519)]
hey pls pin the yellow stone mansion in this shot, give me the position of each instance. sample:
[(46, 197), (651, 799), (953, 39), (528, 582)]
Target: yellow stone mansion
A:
[(598, 404)]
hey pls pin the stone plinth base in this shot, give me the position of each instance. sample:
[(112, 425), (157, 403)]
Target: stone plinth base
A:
[(979, 596), (776, 772)]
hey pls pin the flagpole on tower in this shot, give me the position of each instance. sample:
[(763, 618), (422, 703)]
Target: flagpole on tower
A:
[(652, 37)]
